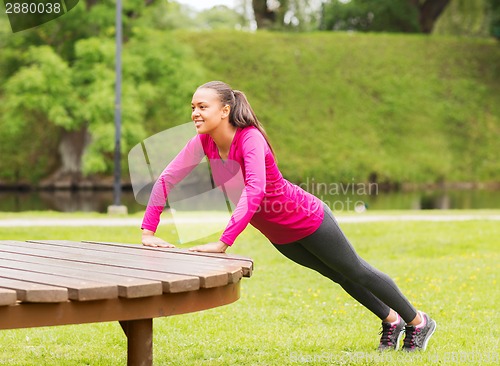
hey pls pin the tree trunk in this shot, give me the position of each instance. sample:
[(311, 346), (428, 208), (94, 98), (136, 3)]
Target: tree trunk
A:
[(264, 17), (430, 11), (71, 149)]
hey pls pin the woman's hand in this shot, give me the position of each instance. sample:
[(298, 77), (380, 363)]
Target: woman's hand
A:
[(150, 240), (218, 247)]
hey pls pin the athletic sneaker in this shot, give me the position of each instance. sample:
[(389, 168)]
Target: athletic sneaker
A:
[(391, 334), (417, 337)]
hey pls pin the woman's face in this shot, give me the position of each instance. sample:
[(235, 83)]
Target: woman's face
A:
[(208, 113)]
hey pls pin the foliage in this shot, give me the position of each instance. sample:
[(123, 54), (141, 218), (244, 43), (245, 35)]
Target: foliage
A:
[(63, 77), (170, 15), (165, 15), (286, 310), (495, 18), (375, 107), (465, 18), (171, 70), (220, 17), (290, 15), (366, 15), (343, 107), (458, 17), (29, 118)]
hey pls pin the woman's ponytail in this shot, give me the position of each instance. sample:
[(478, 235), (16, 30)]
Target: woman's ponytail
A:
[(242, 114)]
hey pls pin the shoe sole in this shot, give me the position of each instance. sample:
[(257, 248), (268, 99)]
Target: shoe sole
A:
[(398, 341)]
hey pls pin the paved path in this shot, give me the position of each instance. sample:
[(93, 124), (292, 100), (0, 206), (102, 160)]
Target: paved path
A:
[(128, 221)]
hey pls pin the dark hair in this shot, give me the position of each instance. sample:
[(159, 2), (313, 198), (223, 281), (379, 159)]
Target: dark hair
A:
[(241, 114)]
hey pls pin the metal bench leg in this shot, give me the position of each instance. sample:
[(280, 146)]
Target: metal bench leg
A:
[(140, 341)]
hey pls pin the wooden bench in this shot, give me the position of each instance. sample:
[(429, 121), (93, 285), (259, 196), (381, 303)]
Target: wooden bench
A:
[(57, 282)]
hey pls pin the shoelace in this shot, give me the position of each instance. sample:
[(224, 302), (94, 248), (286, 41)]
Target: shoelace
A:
[(386, 332), (411, 334)]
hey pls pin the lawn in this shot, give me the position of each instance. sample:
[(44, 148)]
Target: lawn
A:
[(289, 315)]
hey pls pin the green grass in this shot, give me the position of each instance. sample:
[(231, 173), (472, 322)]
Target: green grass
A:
[(289, 315)]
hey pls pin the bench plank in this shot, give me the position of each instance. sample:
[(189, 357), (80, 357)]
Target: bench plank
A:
[(245, 263), (170, 282), (80, 290), (208, 277), (34, 292), (127, 287), (7, 297), (234, 270)]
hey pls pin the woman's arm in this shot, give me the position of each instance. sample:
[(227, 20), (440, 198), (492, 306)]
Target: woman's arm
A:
[(254, 148), (187, 159)]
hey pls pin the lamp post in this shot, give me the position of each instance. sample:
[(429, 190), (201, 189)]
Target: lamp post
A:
[(117, 208)]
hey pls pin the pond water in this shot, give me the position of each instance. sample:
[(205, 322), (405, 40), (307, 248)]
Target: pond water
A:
[(98, 201)]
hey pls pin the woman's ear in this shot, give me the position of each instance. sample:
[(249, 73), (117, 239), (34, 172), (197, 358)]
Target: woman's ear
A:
[(226, 110)]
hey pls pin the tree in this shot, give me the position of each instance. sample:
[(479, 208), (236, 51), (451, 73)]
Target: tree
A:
[(286, 14), (408, 16), (166, 15), (265, 17), (62, 76), (429, 12), (494, 6), (220, 17), (41, 92), (465, 18)]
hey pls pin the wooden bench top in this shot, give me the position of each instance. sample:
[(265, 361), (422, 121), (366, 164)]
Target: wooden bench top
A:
[(58, 282), (52, 271)]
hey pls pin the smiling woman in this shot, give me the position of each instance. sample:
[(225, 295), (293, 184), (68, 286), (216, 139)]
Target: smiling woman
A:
[(298, 224)]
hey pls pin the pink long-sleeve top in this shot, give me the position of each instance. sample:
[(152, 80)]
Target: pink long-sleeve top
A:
[(282, 211)]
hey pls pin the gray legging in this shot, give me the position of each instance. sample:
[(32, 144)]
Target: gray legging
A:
[(328, 252)]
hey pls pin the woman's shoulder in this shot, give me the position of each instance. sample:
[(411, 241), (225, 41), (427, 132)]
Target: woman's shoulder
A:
[(248, 130), (251, 133)]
